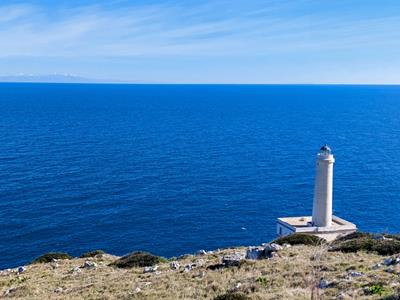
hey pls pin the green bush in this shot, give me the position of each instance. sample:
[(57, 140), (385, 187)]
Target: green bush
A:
[(232, 296), (300, 239), (262, 281), (48, 257), (92, 253), (369, 243), (138, 259), (354, 235), (375, 289)]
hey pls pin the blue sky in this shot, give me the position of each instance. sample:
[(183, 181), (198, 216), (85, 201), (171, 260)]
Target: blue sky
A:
[(221, 41)]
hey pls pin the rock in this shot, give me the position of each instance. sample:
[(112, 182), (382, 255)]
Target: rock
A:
[(21, 270), (273, 247), (255, 253), (58, 290), (390, 270), (376, 266), (138, 290), (388, 261), (355, 274), (198, 263), (54, 264), (323, 284), (75, 270), (89, 265), (273, 254), (285, 246), (201, 252), (231, 260), (187, 268), (150, 269), (174, 265)]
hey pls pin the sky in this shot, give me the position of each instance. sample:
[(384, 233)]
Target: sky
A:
[(190, 41)]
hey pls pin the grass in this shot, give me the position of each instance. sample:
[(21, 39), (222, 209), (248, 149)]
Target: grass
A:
[(291, 275)]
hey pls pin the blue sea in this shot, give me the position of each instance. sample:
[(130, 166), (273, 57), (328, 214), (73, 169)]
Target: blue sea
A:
[(176, 168)]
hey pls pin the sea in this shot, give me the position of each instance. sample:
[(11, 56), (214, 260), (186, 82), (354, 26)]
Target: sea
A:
[(172, 169)]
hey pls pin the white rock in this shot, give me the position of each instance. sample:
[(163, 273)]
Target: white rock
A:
[(323, 284), (201, 252), (174, 265), (54, 264), (273, 247), (355, 274), (232, 260), (89, 265), (376, 266), (138, 290), (198, 263), (58, 290), (150, 269), (255, 253), (187, 268)]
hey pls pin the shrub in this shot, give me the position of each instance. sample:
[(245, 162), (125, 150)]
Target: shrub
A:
[(354, 235), (92, 253), (137, 259), (48, 257), (262, 281), (375, 289), (367, 243), (300, 239), (232, 296)]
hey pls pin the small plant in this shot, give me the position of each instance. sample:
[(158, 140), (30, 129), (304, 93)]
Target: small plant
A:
[(232, 296), (49, 257), (300, 239), (138, 259), (375, 289), (92, 253), (262, 281)]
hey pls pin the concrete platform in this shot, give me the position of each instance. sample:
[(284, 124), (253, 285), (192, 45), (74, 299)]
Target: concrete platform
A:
[(290, 225)]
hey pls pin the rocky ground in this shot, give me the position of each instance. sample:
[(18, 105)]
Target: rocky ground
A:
[(269, 272)]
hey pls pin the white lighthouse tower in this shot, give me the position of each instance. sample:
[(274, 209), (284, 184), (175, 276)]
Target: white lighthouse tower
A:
[(322, 207), (322, 223)]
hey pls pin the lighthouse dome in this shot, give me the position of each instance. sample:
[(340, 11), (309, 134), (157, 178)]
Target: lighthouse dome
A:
[(325, 149)]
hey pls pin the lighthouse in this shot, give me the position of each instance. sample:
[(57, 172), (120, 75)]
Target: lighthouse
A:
[(322, 223), (322, 206)]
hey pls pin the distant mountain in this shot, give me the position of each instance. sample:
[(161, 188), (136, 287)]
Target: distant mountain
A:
[(51, 78)]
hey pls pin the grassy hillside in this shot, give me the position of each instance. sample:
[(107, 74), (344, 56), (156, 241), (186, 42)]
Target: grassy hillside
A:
[(296, 272)]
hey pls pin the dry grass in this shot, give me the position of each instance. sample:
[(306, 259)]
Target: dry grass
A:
[(286, 276)]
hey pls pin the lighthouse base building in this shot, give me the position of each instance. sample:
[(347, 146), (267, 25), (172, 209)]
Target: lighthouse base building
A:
[(322, 223), (339, 227)]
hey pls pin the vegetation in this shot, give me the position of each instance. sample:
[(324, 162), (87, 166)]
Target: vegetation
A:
[(300, 239), (297, 272), (92, 253), (138, 259), (232, 296), (381, 244), (375, 289), (49, 257)]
